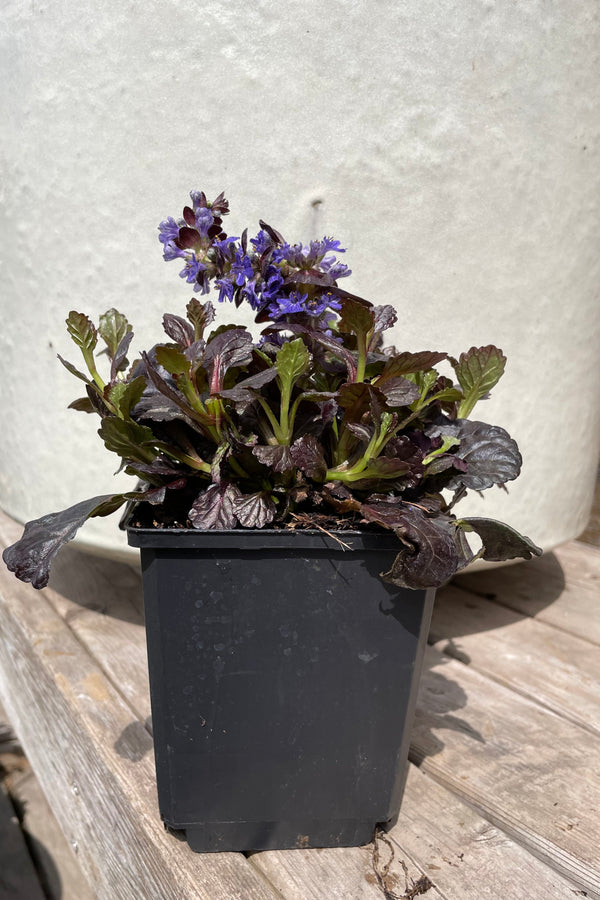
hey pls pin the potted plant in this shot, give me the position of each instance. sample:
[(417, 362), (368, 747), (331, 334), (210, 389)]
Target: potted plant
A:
[(278, 478)]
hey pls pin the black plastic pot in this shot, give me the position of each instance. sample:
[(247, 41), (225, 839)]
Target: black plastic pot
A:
[(283, 676)]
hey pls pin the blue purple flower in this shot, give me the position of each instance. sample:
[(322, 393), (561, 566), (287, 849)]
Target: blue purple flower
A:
[(204, 220), (261, 243), (169, 230), (241, 268), (225, 286)]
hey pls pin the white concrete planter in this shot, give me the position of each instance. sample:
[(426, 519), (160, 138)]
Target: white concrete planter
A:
[(452, 147)]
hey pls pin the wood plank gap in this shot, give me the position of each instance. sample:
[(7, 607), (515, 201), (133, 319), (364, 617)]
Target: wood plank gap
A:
[(408, 856), (498, 679), (551, 854), (252, 858)]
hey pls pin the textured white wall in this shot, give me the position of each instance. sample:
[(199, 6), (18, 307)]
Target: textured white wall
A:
[(452, 144)]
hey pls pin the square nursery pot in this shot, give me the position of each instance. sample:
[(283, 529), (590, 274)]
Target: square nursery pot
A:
[(283, 678)]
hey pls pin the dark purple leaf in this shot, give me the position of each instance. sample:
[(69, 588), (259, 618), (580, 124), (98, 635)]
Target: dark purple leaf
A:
[(189, 217), (201, 315), (214, 508), (243, 391), (151, 407), (500, 541), (160, 466), (254, 510), (491, 455), (385, 317), (408, 363), (399, 391), (119, 361), (307, 455), (274, 235), (356, 317), (277, 458), (429, 554), (31, 557), (228, 348), (83, 404), (97, 400), (179, 330), (358, 398), (188, 238)]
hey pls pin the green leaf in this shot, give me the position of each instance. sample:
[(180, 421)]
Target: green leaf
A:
[(500, 541), (172, 359), (71, 368), (478, 371), (83, 331), (292, 361), (83, 404), (447, 441), (128, 439), (125, 395), (113, 327)]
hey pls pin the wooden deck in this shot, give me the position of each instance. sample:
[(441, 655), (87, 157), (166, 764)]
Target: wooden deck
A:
[(503, 797)]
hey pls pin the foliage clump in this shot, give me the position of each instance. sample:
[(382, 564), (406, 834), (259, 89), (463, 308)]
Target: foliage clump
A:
[(224, 431)]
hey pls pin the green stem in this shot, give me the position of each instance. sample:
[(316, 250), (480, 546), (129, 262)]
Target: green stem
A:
[(91, 364), (362, 360), (272, 420)]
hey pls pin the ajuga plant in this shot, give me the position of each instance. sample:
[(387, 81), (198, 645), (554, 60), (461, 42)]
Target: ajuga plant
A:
[(317, 421)]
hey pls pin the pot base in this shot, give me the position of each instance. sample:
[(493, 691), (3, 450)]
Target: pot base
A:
[(215, 837)]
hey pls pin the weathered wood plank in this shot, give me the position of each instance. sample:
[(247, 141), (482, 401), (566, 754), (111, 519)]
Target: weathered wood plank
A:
[(343, 873), (94, 760), (531, 773), (466, 856), (437, 835), (18, 878), (101, 601), (551, 666), (561, 588), (61, 873)]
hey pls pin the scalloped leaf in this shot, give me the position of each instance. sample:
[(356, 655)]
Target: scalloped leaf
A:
[(214, 508), (478, 371), (82, 330), (500, 541), (491, 456), (113, 326)]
